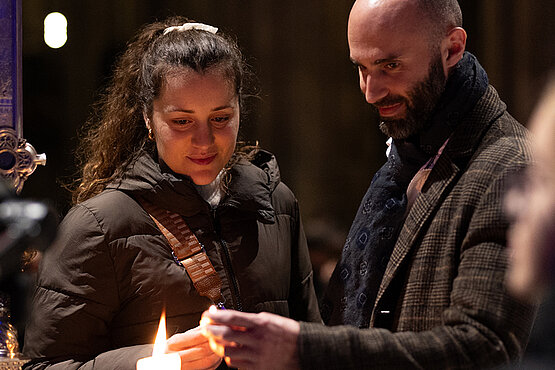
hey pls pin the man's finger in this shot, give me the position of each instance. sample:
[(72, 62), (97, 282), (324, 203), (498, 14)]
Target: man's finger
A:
[(239, 364), (231, 318), (225, 335), (240, 357)]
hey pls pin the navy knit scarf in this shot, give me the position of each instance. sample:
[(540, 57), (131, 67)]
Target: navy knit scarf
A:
[(355, 282)]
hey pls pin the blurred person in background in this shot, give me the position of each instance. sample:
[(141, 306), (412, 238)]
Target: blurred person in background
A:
[(324, 245), (531, 240)]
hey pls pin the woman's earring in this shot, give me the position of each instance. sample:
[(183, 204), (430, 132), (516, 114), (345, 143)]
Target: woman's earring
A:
[(150, 134)]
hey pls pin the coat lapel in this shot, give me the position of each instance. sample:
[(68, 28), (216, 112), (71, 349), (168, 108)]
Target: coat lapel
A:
[(436, 188)]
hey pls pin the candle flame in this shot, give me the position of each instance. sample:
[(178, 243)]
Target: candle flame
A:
[(160, 341)]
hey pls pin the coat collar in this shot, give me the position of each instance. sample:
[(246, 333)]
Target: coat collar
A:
[(249, 190), (468, 134), (252, 184), (466, 85)]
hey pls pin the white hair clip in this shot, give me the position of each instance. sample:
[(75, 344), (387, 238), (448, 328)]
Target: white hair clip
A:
[(192, 26)]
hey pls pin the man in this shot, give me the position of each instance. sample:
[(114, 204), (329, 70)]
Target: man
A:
[(421, 280)]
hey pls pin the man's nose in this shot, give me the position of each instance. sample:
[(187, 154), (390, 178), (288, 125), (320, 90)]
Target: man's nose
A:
[(203, 135), (373, 88)]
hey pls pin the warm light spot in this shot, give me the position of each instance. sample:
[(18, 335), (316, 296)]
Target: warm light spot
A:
[(55, 30), (160, 359), (160, 341), (212, 309), (205, 320)]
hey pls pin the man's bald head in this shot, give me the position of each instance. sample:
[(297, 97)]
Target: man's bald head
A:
[(434, 17)]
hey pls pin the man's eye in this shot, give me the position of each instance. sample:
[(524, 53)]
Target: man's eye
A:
[(392, 66)]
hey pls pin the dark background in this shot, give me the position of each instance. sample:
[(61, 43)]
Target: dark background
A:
[(311, 115)]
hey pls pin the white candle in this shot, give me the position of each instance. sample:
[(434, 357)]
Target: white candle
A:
[(166, 362), (159, 359)]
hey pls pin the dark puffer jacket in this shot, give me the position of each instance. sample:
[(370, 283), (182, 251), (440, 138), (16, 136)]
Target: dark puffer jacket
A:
[(106, 280)]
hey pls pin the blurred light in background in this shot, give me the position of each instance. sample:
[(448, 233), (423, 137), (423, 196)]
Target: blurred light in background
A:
[(55, 30)]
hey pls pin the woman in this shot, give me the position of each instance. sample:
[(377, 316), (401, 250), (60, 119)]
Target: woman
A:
[(167, 136)]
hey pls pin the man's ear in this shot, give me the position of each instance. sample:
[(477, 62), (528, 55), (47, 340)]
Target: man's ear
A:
[(453, 47)]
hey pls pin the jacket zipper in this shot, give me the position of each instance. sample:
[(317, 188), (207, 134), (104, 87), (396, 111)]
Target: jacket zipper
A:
[(227, 265)]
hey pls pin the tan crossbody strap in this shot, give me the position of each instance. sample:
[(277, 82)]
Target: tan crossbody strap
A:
[(188, 250)]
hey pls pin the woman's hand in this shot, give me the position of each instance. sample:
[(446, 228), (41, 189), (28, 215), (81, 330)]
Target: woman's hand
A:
[(193, 349)]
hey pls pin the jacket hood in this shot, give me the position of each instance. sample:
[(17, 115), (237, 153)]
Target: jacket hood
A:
[(249, 190)]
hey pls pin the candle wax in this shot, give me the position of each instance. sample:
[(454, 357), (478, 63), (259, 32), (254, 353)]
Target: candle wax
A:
[(168, 361)]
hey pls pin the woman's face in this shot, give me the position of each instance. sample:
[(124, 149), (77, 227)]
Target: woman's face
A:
[(195, 121)]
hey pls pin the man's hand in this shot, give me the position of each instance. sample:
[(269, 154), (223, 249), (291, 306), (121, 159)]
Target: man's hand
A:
[(253, 341), (194, 350)]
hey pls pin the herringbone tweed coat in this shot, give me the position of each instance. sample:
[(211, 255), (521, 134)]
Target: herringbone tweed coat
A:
[(442, 303)]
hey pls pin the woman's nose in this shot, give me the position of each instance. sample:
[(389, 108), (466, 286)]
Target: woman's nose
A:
[(203, 135)]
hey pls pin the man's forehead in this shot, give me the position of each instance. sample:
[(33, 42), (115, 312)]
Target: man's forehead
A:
[(385, 16), (388, 45), (385, 29)]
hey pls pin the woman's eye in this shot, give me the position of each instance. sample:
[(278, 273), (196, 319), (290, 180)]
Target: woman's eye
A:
[(182, 122), (392, 66), (221, 120)]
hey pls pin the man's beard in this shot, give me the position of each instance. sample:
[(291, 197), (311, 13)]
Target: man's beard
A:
[(420, 103)]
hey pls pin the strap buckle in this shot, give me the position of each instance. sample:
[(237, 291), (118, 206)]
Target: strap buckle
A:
[(221, 305)]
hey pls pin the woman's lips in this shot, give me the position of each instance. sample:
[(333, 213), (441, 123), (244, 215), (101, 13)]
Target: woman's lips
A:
[(203, 161), (390, 110)]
